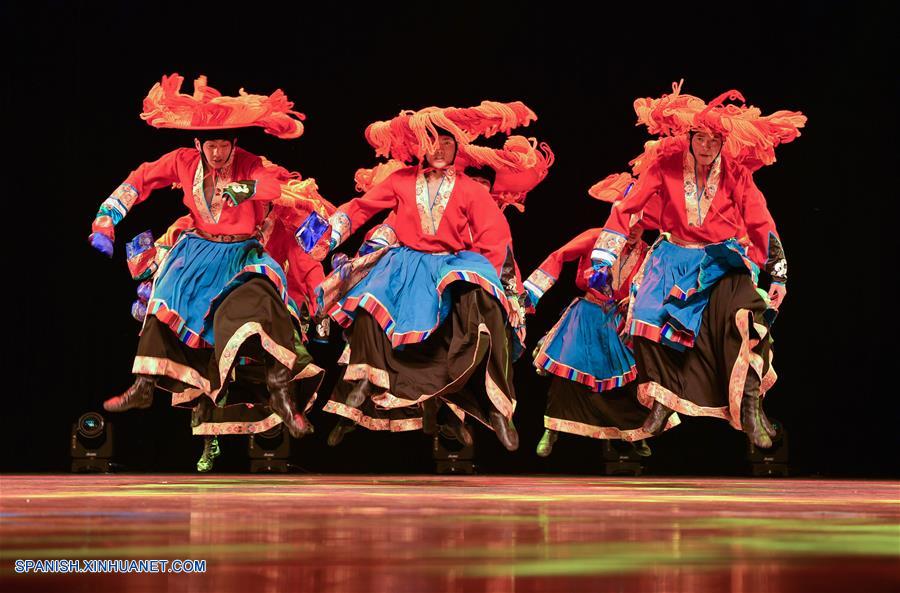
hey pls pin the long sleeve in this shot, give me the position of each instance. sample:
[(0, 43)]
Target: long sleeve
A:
[(304, 274), (262, 182), (136, 188), (612, 238), (766, 250), (491, 236), (268, 181), (546, 274), (358, 211), (381, 236)]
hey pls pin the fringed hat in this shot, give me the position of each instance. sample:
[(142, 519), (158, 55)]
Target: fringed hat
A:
[(520, 166), (612, 188), (413, 133), (615, 187), (749, 137), (366, 179), (165, 106), (656, 149), (298, 196)]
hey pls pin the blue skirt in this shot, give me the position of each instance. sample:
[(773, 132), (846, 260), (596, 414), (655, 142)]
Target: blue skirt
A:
[(674, 292), (197, 274), (406, 291), (584, 346)]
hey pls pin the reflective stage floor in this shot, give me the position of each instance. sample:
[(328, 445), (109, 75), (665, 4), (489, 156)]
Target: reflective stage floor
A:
[(496, 534)]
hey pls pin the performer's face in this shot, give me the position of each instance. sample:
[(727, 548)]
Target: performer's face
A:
[(217, 152), (443, 155), (705, 147), (635, 235)]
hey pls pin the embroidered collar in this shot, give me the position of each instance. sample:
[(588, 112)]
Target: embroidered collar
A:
[(431, 210), (698, 206), (211, 211)]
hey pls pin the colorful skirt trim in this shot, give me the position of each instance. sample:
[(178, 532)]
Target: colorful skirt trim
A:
[(675, 288), (198, 274), (584, 346)]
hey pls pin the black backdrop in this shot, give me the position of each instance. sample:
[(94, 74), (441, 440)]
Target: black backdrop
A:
[(76, 73)]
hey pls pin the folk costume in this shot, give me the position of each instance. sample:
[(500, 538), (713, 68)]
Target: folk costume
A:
[(217, 295), (699, 322)]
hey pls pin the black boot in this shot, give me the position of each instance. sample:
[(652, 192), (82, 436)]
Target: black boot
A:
[(281, 400), (456, 429), (751, 413), (429, 416), (656, 421), (505, 430), (361, 391), (771, 427), (139, 395), (202, 412), (343, 426)]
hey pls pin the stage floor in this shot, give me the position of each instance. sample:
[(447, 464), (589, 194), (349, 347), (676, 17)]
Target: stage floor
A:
[(398, 534)]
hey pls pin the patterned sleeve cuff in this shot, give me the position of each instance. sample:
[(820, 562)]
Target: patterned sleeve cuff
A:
[(238, 192), (116, 206), (384, 235), (537, 284), (607, 248), (340, 228), (778, 271), (776, 265), (103, 225)]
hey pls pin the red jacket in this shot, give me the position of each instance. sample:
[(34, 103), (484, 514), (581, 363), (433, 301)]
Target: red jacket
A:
[(579, 248), (181, 167), (463, 216), (732, 207)]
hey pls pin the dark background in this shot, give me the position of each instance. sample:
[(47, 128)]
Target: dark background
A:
[(76, 74)]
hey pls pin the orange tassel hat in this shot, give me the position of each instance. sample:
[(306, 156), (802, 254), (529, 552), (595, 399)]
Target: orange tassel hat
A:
[(612, 188), (413, 133), (749, 137), (165, 106), (520, 166)]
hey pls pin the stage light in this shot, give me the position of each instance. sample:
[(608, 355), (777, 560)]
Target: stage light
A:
[(452, 457), (620, 459), (91, 444), (269, 451)]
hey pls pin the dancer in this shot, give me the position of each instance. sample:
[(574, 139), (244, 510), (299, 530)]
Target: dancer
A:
[(592, 392), (514, 170), (217, 292), (446, 298), (700, 329)]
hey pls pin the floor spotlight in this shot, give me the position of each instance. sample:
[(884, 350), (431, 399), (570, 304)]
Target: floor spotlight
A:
[(452, 457), (269, 451), (92, 444), (620, 459)]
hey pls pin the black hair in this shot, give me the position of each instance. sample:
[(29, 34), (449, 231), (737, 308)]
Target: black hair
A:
[(444, 132), (484, 172), (229, 135)]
